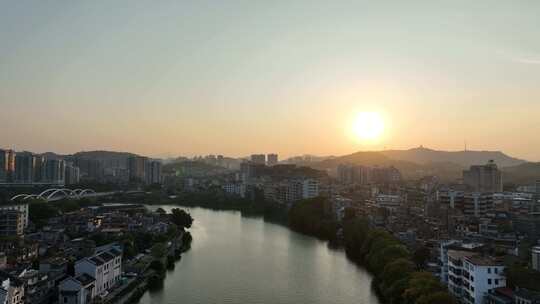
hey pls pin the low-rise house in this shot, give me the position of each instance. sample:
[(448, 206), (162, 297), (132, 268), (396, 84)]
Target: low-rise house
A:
[(105, 267), (77, 290), (502, 295), (12, 289)]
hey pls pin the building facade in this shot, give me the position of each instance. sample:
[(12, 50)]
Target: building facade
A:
[(20, 207), (25, 163), (272, 159), (137, 168), (484, 178), (11, 223), (105, 268)]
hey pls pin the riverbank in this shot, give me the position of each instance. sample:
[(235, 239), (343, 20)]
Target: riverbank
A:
[(235, 258), (153, 275), (396, 278)]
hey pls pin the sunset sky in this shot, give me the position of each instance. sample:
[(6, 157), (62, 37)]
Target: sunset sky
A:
[(167, 78)]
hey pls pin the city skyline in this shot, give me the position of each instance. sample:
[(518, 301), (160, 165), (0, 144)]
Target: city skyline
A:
[(192, 78)]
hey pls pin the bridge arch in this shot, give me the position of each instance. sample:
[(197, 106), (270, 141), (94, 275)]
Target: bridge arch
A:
[(66, 192), (87, 191)]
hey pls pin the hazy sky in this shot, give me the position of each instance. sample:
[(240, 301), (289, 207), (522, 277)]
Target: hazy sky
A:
[(239, 77)]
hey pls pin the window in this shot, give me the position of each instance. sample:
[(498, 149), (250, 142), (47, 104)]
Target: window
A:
[(496, 270), (65, 299), (496, 281), (489, 281), (489, 270)]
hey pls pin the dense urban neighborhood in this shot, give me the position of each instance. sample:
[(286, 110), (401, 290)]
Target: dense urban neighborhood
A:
[(86, 228)]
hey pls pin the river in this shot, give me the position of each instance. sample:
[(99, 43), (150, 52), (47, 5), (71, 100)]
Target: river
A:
[(242, 260)]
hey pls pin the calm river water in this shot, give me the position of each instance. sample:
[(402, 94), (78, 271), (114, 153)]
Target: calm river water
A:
[(243, 260)]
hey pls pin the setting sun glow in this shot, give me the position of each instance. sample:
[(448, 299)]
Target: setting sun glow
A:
[(368, 126)]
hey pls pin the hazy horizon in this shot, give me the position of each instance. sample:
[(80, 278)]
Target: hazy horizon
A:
[(191, 78)]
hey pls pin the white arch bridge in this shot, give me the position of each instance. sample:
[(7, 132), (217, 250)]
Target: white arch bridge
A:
[(55, 194)]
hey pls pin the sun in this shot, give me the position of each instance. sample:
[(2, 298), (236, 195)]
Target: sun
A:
[(368, 126)]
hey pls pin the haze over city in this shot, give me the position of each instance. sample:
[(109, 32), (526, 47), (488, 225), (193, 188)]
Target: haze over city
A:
[(175, 78)]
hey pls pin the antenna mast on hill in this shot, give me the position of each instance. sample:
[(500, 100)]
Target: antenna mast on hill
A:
[(465, 146)]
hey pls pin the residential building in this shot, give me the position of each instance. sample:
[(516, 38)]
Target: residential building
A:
[(525, 296), (528, 225), (78, 290), (12, 289), (11, 223), (445, 246), (471, 276), (20, 207), (153, 172), (105, 267), (90, 169), (272, 159), (501, 295), (137, 168), (238, 189), (55, 171), (353, 174), (478, 204), (310, 188), (7, 165), (452, 199), (39, 169), (391, 202), (72, 175), (385, 175), (258, 159), (25, 163), (535, 257), (484, 178)]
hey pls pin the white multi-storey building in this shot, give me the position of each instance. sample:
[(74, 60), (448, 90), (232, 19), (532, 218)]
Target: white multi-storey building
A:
[(471, 276), (235, 188), (388, 201), (310, 188), (21, 207), (105, 267)]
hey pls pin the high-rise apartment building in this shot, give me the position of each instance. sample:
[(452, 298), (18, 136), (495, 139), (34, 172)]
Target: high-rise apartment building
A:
[(55, 171), (25, 163), (72, 176), (258, 159), (137, 168), (385, 175), (39, 169), (7, 165), (153, 172), (353, 174), (485, 178), (272, 159)]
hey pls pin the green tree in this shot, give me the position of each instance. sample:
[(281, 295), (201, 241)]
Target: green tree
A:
[(421, 284), (181, 218), (440, 297), (159, 250), (421, 256), (397, 270), (39, 211)]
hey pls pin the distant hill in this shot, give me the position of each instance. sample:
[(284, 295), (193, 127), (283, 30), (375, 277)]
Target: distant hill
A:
[(103, 155), (522, 174), (423, 155), (419, 162), (445, 170)]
